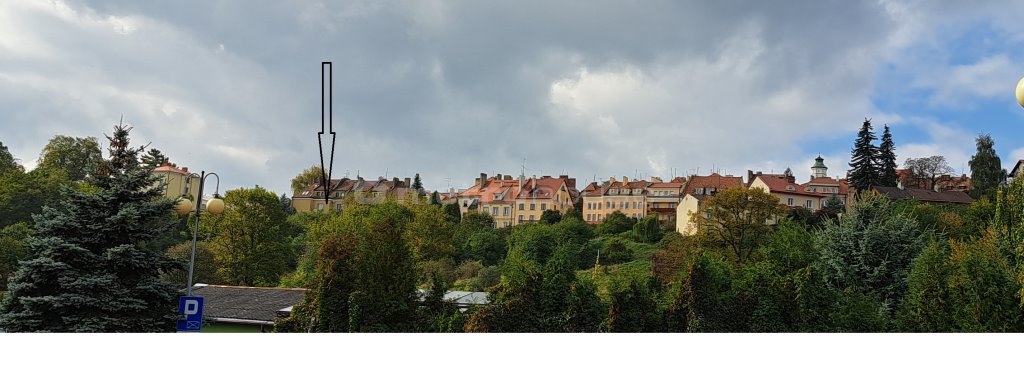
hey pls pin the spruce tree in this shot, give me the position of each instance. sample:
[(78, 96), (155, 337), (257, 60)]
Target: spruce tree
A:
[(7, 161), (986, 167), (417, 183), (154, 158), (887, 160), (92, 266), (863, 163)]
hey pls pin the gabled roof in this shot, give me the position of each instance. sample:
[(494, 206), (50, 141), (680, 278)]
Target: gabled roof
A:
[(166, 167), (243, 303), (1017, 167), (714, 180), (784, 185), (925, 195)]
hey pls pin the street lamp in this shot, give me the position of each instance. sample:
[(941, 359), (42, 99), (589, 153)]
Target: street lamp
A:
[(1020, 92), (214, 206)]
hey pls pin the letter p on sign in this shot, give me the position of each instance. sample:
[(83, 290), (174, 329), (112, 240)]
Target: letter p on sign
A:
[(191, 307)]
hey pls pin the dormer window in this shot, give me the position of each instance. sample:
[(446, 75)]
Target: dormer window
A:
[(790, 188)]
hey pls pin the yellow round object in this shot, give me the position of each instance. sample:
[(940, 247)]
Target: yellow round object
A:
[(1020, 92), (215, 206), (183, 207)]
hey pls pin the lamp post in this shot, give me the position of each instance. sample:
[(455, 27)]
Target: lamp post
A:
[(214, 206)]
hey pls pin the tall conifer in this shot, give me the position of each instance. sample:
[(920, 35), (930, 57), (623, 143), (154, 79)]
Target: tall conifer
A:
[(92, 264), (863, 163), (887, 160)]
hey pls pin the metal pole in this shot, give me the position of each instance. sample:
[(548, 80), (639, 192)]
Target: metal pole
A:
[(195, 230)]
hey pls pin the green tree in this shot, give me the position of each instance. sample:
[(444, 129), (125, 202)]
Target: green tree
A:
[(864, 160), (7, 161), (986, 168), (536, 241), (887, 160), (286, 204), (385, 299), (736, 221), (982, 288), (550, 217), (633, 309), (429, 234), (309, 176), (250, 239), (870, 249), (926, 307), (154, 158), (647, 230), (90, 267), (435, 198), (205, 268), (708, 288), (584, 311), (13, 248), (453, 212), (23, 194), (615, 223), (77, 157), (417, 184)]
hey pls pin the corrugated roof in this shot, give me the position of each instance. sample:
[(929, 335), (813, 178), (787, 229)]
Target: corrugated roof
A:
[(246, 303), (925, 195)]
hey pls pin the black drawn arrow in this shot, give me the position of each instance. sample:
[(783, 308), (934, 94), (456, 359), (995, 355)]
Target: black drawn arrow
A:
[(326, 117)]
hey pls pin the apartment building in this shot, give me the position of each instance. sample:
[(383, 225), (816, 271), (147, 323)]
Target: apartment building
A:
[(628, 197), (696, 190), (511, 201), (663, 197), (175, 182), (345, 190)]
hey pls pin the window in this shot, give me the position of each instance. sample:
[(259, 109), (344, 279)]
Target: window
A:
[(522, 207), (338, 208), (543, 206), (809, 203), (520, 218), (700, 191), (484, 210), (505, 213), (319, 207), (531, 217), (588, 217), (494, 211), (533, 206), (789, 201)]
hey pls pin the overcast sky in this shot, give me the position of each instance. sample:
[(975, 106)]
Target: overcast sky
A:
[(450, 89)]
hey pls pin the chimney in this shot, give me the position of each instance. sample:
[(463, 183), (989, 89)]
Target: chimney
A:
[(184, 169), (611, 179), (483, 180), (521, 182), (508, 177), (394, 181), (408, 182), (791, 179), (625, 179), (655, 179), (497, 177)]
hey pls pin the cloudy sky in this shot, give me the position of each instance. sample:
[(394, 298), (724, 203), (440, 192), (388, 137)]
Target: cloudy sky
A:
[(450, 89)]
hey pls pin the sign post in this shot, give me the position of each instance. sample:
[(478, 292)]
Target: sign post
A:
[(191, 309)]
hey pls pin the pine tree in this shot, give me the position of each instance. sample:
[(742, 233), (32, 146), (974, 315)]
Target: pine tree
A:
[(887, 160), (417, 183), (986, 167), (92, 266), (154, 158), (863, 163)]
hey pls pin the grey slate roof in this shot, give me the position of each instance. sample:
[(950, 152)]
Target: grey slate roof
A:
[(926, 195), (246, 303)]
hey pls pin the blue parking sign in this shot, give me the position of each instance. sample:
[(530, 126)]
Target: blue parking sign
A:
[(191, 308)]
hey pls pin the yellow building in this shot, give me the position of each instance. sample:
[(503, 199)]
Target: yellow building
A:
[(511, 201), (788, 191), (689, 204), (175, 182), (541, 194), (628, 197), (696, 190), (359, 191), (663, 198)]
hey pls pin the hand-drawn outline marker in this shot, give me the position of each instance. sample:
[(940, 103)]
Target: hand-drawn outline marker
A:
[(326, 117)]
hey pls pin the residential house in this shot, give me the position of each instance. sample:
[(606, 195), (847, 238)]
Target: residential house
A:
[(788, 191), (821, 183), (663, 198), (537, 195), (494, 196), (175, 182), (696, 190), (1018, 169), (628, 197), (961, 183), (359, 191)]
